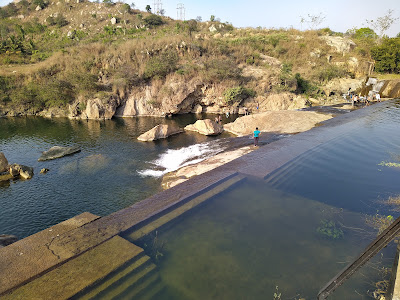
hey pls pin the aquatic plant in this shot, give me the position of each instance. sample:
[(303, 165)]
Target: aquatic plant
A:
[(379, 222), (154, 247), (389, 164), (277, 294), (329, 229)]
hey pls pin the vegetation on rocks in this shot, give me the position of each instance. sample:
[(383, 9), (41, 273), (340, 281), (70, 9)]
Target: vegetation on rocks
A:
[(54, 54)]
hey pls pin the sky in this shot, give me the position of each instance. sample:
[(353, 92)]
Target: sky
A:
[(340, 15)]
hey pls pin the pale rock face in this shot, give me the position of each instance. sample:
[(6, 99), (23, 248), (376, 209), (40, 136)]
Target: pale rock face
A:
[(23, 171), (159, 132), (128, 109), (206, 127), (340, 44), (3, 163), (342, 85), (113, 21), (212, 29), (98, 109), (284, 122)]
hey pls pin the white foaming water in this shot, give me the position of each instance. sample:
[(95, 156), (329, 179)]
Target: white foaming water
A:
[(172, 160)]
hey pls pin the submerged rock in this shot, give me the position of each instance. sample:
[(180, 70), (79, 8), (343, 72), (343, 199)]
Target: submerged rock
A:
[(3, 163), (206, 127), (57, 152), (7, 239), (159, 132), (44, 171), (21, 170)]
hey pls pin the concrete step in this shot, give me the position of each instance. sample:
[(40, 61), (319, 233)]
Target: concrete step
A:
[(80, 273), (142, 290), (164, 219), (131, 283), (114, 278), (152, 291)]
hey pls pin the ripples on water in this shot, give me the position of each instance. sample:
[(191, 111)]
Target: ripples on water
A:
[(103, 178)]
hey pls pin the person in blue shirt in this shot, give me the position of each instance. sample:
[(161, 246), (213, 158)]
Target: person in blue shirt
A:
[(256, 135)]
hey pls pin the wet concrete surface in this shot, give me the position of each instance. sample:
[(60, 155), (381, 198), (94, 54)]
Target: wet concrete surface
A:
[(267, 158)]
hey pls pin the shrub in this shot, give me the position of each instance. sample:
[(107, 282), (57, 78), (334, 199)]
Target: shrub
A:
[(161, 65), (153, 20), (238, 94)]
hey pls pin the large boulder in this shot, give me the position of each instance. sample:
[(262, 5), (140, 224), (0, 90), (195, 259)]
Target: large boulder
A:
[(206, 127), (7, 239), (285, 121), (3, 163), (21, 171), (161, 131), (57, 152)]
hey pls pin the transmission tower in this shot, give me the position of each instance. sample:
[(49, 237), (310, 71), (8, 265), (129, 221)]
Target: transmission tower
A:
[(180, 12), (157, 7)]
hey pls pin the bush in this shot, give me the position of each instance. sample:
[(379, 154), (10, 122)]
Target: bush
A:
[(153, 20), (387, 56), (238, 94), (161, 65)]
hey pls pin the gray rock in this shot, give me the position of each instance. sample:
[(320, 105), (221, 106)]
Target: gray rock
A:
[(3, 163), (7, 239), (57, 152), (21, 170), (159, 132)]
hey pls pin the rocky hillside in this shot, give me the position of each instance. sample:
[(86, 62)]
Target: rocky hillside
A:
[(99, 60)]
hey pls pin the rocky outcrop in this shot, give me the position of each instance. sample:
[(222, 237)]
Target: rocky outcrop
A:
[(3, 163), (57, 152), (96, 109), (284, 101), (276, 121), (22, 171), (206, 127), (341, 86), (159, 132), (340, 44), (7, 239)]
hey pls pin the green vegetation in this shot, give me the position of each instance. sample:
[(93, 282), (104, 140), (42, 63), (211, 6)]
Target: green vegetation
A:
[(387, 56), (238, 94), (68, 51), (329, 230)]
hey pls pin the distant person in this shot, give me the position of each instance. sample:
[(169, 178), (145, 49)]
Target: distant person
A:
[(256, 135), (378, 97), (227, 114), (258, 105)]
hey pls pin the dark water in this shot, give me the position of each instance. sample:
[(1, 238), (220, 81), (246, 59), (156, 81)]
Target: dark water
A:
[(101, 179), (264, 236)]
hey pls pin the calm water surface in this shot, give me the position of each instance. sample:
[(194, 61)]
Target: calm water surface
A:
[(262, 235), (103, 178)]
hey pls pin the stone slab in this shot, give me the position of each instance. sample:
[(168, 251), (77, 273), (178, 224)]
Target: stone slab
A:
[(79, 273), (31, 256)]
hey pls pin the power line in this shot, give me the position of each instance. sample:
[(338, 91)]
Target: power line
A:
[(180, 11), (157, 7)]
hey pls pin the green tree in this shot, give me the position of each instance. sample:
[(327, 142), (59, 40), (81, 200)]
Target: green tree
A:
[(365, 32), (148, 8), (387, 55), (212, 18), (161, 65)]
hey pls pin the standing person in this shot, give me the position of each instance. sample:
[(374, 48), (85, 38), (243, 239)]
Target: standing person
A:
[(378, 97), (256, 135)]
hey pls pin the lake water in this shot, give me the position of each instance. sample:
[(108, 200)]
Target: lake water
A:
[(112, 171), (262, 237)]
